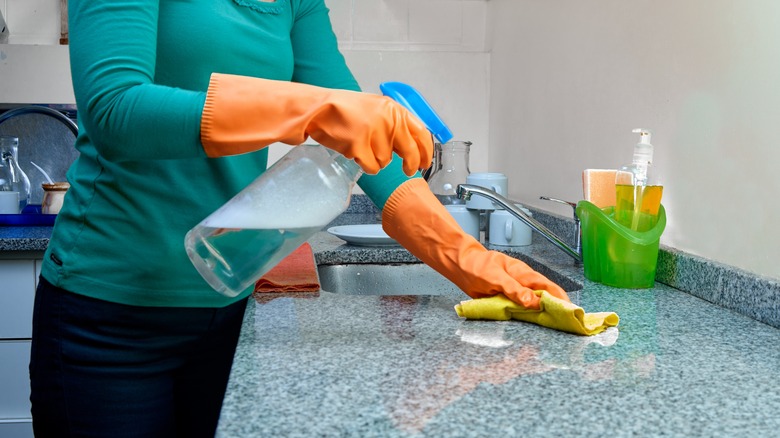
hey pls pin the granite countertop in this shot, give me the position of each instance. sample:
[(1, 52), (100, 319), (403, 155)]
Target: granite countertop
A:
[(21, 239), (407, 366), (398, 366)]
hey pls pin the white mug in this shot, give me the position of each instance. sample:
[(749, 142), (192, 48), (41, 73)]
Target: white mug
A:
[(494, 181), (9, 202), (466, 218), (507, 230)]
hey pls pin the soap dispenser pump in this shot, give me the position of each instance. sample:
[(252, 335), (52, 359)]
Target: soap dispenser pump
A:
[(638, 194)]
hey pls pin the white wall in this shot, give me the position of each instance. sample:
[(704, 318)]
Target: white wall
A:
[(571, 78), (33, 67), (32, 21), (567, 81)]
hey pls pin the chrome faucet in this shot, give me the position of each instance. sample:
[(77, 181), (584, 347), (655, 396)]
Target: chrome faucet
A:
[(10, 156), (465, 191)]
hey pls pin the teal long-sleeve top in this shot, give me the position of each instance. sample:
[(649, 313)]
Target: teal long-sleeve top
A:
[(140, 72)]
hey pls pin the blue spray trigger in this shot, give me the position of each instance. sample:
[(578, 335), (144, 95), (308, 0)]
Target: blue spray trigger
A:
[(412, 100)]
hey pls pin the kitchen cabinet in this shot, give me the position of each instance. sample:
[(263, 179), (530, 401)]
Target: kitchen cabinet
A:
[(17, 292)]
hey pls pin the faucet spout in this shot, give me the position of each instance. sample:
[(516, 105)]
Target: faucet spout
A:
[(465, 191), (44, 111)]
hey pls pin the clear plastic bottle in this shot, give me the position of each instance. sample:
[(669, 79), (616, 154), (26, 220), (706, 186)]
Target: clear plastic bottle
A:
[(12, 177), (451, 169), (296, 197), (638, 194)]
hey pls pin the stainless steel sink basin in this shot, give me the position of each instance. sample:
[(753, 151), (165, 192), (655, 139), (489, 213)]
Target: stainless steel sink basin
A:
[(401, 279), (391, 279)]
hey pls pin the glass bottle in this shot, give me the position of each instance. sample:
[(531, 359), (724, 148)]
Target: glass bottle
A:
[(12, 177), (246, 237), (435, 164), (452, 169)]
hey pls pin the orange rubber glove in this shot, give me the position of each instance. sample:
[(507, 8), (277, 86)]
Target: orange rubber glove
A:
[(417, 220), (244, 114)]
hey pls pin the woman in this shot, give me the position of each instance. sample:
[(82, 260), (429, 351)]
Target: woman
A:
[(177, 100)]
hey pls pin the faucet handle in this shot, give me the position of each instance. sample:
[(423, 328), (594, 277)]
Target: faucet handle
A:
[(577, 229)]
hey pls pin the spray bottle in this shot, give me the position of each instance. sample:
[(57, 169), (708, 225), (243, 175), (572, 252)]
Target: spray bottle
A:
[(296, 197), (638, 195), (265, 222)]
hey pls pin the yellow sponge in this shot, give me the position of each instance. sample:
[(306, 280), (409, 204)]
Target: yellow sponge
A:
[(598, 186)]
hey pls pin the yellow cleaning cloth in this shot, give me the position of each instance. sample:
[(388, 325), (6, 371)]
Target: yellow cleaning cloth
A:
[(554, 313)]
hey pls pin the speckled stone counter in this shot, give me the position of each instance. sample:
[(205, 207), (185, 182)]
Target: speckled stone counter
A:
[(390, 366), (24, 238), (405, 366), (753, 295)]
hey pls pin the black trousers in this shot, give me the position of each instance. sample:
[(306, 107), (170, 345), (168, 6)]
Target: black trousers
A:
[(101, 369)]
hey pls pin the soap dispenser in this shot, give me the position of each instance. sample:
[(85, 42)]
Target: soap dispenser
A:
[(637, 193)]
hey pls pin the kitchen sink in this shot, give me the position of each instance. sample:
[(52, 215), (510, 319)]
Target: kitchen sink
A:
[(401, 279), (389, 279)]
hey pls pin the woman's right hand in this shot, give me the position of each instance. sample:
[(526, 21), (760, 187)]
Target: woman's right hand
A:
[(414, 217), (243, 114)]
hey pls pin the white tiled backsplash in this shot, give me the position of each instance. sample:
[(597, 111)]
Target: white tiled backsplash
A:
[(438, 25), (429, 25)]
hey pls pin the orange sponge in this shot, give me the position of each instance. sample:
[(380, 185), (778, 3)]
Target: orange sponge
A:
[(598, 186)]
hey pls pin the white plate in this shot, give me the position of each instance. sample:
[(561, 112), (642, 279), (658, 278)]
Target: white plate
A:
[(364, 235)]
